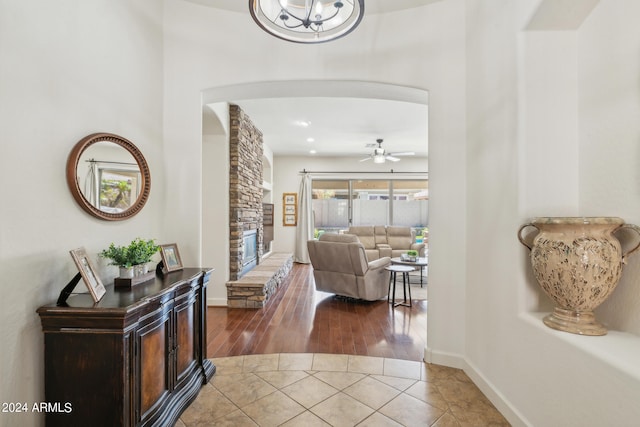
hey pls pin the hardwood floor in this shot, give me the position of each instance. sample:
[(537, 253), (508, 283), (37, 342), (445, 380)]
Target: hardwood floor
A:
[(299, 319)]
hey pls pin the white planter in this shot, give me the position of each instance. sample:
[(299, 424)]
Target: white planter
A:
[(126, 272), (140, 270)]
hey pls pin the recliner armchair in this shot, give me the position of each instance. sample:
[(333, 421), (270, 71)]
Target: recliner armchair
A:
[(340, 266)]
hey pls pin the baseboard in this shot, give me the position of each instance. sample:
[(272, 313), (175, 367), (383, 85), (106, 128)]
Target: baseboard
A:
[(503, 405), (445, 359), (216, 302)]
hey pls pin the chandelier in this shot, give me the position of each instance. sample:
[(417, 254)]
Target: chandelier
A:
[(307, 21)]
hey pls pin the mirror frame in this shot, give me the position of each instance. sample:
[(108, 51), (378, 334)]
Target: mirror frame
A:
[(72, 177)]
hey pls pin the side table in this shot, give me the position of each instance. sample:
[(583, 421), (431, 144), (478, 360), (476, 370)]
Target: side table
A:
[(393, 270), (418, 264)]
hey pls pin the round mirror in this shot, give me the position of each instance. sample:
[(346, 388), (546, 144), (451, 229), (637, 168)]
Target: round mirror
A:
[(108, 176)]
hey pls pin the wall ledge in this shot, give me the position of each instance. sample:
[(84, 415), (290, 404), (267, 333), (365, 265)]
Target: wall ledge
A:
[(619, 350)]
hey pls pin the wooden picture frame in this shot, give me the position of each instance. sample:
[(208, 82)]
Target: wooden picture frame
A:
[(267, 214), (170, 257), (88, 273), (290, 209)]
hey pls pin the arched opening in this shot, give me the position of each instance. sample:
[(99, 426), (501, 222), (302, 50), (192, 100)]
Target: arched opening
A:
[(215, 98)]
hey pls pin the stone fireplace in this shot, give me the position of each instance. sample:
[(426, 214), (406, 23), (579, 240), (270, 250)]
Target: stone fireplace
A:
[(245, 193), (252, 279)]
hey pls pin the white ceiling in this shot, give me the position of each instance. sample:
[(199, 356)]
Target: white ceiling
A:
[(338, 126), (371, 6)]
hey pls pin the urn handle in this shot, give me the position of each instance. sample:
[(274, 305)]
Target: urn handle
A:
[(636, 247), (531, 225)]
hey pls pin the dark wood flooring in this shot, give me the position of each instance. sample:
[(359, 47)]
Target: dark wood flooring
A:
[(299, 319)]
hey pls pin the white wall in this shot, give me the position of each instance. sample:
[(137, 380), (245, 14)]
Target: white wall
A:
[(215, 200), (609, 108), (544, 139), (67, 69)]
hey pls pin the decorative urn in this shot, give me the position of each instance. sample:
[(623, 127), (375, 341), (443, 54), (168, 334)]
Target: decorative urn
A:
[(578, 262)]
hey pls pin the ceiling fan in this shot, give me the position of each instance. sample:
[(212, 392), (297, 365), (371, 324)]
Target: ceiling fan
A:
[(380, 155)]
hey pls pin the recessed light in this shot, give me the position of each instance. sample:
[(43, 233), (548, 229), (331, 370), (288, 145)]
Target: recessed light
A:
[(310, 139), (303, 123), (313, 151)]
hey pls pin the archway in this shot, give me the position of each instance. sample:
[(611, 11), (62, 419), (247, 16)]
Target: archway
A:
[(213, 98)]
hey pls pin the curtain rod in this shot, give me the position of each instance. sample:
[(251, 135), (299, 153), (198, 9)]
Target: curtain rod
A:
[(113, 163), (363, 172)]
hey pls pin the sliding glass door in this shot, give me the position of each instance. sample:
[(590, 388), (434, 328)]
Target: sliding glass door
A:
[(331, 207), (410, 203), (337, 204), (370, 202)]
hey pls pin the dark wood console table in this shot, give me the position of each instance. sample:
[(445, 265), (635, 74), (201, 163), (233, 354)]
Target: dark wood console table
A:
[(136, 358)]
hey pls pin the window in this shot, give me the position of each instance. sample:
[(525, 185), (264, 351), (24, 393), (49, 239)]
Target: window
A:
[(119, 189), (370, 202), (337, 204), (410, 203), (331, 204)]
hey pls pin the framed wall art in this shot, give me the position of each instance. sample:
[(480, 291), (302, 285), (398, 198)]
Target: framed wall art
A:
[(290, 209), (88, 273)]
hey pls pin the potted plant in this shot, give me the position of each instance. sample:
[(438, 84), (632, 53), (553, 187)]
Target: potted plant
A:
[(412, 255), (133, 258)]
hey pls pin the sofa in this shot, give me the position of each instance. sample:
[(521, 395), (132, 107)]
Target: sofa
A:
[(387, 241), (341, 267)]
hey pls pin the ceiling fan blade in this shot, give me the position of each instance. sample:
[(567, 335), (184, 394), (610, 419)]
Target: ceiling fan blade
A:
[(365, 159), (406, 153), (393, 159)]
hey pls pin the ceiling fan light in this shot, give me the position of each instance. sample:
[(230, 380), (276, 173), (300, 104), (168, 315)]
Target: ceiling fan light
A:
[(378, 159), (292, 20)]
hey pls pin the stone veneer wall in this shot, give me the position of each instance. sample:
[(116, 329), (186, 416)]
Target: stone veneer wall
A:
[(245, 186)]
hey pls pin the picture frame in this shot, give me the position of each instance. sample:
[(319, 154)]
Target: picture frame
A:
[(290, 209), (88, 273), (267, 214), (170, 257)]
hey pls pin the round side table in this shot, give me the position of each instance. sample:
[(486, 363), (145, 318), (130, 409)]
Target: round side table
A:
[(418, 264), (394, 270)]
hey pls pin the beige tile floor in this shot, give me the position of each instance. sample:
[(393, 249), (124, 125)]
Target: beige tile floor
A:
[(337, 390)]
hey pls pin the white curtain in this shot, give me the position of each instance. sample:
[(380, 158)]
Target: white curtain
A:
[(92, 185), (304, 231)]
